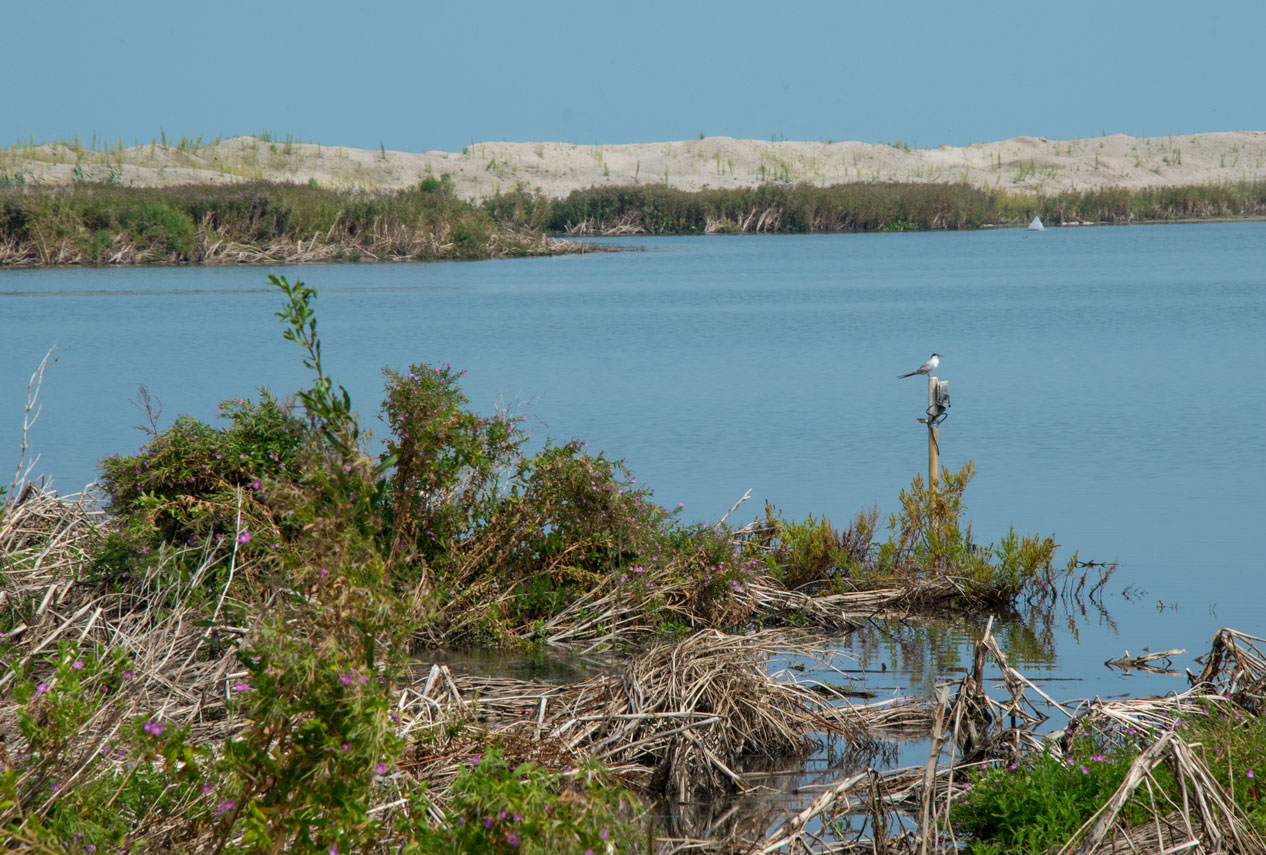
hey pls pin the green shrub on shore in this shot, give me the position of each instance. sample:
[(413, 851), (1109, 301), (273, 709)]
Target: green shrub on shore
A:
[(501, 808), (929, 547)]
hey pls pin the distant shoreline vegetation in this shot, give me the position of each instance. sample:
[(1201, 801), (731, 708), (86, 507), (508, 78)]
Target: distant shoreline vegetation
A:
[(256, 222), (863, 207), (263, 222)]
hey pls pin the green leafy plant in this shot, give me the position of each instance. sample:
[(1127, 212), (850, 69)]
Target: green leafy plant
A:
[(67, 792), (1036, 805), (162, 226), (500, 808), (929, 544), (445, 457), (193, 481)]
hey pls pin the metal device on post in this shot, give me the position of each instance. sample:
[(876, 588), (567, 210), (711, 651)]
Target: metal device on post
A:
[(937, 412)]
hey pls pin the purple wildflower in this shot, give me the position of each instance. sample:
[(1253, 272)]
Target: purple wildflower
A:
[(78, 665), (381, 768), (153, 728), (244, 537), (42, 688), (487, 822)]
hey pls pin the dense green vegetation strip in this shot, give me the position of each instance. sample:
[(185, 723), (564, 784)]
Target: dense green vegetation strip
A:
[(256, 222), (863, 207), (263, 222)]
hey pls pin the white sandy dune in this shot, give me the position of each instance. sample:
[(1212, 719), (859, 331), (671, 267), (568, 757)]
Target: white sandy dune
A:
[(1022, 164)]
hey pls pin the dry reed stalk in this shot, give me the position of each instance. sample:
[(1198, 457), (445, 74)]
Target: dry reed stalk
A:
[(1235, 667), (44, 540)]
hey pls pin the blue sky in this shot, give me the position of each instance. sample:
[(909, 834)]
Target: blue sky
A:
[(418, 75)]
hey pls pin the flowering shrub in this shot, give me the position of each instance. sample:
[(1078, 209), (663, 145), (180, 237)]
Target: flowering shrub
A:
[(499, 808), (444, 455), (695, 570), (194, 481), (317, 740), (1036, 805)]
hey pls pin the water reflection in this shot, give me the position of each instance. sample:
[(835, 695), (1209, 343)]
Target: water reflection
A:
[(556, 665)]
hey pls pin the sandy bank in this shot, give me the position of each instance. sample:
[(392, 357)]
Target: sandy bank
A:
[(1022, 164)]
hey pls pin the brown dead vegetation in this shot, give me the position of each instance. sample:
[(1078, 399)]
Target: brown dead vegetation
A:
[(688, 719)]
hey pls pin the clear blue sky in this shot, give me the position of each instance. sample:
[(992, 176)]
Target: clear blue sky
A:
[(425, 75)]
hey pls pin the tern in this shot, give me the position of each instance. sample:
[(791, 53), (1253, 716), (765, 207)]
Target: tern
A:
[(926, 368)]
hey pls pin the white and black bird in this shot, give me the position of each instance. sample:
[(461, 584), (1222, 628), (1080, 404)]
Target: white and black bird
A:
[(926, 368)]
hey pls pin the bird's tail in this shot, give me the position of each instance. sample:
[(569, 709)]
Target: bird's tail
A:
[(911, 374)]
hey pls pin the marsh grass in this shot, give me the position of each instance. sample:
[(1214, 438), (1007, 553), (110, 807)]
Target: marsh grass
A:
[(247, 223), (778, 206)]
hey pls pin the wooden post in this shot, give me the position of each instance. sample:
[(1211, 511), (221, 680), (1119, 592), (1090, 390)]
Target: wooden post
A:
[(934, 462)]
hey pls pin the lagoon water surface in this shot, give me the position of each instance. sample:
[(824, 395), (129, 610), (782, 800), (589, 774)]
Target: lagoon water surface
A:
[(1106, 382)]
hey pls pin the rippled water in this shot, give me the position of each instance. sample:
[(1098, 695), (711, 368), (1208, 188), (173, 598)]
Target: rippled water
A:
[(1104, 381)]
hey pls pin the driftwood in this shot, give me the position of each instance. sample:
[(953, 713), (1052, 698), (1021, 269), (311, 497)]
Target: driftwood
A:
[(1144, 662)]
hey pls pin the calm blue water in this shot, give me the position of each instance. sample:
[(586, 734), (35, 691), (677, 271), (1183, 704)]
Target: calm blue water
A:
[(1105, 381)]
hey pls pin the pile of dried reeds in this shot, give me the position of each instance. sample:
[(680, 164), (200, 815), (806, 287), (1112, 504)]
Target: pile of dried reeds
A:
[(688, 717)]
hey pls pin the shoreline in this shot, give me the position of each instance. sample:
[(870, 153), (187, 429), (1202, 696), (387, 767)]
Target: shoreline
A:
[(272, 223)]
